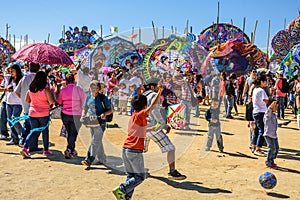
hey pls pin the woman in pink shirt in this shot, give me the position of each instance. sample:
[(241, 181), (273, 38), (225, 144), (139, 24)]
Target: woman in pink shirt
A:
[(40, 98), (112, 82), (71, 98)]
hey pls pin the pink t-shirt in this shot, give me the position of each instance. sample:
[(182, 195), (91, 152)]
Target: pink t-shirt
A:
[(72, 99), (114, 81), (39, 105)]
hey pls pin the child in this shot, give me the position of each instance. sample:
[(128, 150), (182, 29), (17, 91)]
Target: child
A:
[(134, 145), (214, 127), (134, 92), (114, 98), (270, 135), (123, 98)]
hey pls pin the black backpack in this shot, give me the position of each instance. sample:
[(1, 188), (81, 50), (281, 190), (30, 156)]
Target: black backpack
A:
[(285, 86), (109, 117)]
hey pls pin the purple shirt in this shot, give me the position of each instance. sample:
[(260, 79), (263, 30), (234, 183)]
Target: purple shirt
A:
[(72, 99)]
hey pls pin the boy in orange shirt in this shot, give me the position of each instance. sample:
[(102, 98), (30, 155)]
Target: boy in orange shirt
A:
[(134, 145)]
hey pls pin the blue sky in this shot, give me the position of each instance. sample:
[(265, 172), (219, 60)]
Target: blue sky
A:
[(37, 18)]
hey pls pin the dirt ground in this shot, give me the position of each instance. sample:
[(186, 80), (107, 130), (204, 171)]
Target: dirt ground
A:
[(210, 175)]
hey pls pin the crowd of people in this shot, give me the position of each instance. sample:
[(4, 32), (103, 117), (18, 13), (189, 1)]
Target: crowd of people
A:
[(88, 96)]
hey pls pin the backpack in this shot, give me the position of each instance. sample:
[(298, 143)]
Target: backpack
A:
[(284, 86), (109, 117)]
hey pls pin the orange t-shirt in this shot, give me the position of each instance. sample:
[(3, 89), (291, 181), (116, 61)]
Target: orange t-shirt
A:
[(137, 127)]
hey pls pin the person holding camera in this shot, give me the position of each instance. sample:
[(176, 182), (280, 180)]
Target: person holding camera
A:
[(96, 108)]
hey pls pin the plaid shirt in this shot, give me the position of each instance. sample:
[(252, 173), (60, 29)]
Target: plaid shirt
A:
[(186, 91)]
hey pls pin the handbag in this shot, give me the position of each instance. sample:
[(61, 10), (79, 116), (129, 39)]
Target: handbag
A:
[(194, 100), (55, 113)]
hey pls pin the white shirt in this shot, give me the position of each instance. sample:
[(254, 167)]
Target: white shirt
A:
[(12, 98), (84, 81), (103, 78), (23, 87), (259, 106), (136, 80), (123, 95), (4, 84)]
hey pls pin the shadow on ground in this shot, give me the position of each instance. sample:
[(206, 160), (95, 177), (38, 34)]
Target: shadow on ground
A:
[(188, 185)]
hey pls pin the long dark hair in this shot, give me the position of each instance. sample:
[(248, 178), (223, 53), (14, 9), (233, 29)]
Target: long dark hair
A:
[(259, 79), (19, 73), (39, 82)]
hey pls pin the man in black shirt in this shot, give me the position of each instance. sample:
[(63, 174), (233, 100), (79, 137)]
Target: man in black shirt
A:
[(230, 93)]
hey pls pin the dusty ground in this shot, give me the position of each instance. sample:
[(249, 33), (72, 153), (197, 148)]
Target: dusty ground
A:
[(229, 175)]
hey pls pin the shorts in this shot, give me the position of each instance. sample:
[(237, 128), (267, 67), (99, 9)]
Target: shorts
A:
[(161, 139), (122, 103)]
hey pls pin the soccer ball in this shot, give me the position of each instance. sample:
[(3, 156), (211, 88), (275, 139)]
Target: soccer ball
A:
[(267, 180)]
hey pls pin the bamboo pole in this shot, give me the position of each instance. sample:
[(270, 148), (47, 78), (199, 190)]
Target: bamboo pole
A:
[(140, 35), (244, 26), (186, 27), (21, 42), (48, 39), (101, 31), (163, 32), (9, 37), (175, 30), (132, 32), (172, 29), (284, 23), (268, 39), (157, 32), (153, 28), (7, 27), (218, 19), (64, 31), (254, 31)]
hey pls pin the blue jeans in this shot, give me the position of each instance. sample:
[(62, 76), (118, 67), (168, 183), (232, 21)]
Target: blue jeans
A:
[(72, 124), (188, 109), (273, 148), (25, 132), (258, 138), (14, 111), (210, 136), (230, 103), (197, 111), (3, 120), (38, 122), (96, 150), (134, 166), (280, 109)]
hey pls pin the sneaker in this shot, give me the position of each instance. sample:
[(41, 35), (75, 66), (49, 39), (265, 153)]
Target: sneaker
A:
[(175, 175), (24, 153), (3, 137), (118, 193), (273, 166), (47, 152), (85, 163), (259, 153), (11, 142), (67, 153), (221, 150)]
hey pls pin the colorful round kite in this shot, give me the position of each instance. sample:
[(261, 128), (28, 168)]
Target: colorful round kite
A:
[(220, 33)]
